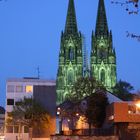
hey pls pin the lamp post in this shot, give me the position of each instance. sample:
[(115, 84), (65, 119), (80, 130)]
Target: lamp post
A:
[(60, 120)]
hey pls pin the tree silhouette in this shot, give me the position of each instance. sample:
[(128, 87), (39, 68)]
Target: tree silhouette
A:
[(123, 90), (96, 109)]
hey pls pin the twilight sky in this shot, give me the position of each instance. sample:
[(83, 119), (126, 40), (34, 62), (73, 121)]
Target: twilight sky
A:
[(30, 37)]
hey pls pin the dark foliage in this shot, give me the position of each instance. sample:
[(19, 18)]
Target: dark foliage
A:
[(123, 90), (131, 6), (96, 108)]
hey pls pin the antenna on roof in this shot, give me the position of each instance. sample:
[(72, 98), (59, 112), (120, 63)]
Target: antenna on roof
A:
[(38, 72)]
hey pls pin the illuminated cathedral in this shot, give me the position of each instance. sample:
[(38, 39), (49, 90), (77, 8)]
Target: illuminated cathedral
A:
[(71, 56)]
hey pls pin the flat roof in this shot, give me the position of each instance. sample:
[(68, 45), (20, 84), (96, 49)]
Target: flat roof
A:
[(30, 79)]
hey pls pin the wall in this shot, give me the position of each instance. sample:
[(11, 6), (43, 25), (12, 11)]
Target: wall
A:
[(119, 112), (83, 138), (40, 138)]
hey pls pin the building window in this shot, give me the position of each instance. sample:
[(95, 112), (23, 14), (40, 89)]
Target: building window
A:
[(19, 88), (131, 109), (102, 76), (71, 54), (16, 129), (26, 129), (10, 101), (70, 77), (10, 88), (9, 129), (29, 89), (17, 102)]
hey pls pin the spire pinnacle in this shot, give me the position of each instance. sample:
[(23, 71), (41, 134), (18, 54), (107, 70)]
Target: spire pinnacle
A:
[(101, 22), (71, 23)]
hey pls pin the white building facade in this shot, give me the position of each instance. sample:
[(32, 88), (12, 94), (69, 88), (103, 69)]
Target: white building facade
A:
[(17, 89)]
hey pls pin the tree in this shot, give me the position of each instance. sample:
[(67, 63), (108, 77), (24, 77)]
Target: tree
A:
[(127, 4), (69, 111), (123, 90), (95, 94), (132, 7), (96, 109), (84, 87), (27, 112)]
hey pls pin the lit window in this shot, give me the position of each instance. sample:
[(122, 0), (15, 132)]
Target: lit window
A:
[(29, 89), (19, 88)]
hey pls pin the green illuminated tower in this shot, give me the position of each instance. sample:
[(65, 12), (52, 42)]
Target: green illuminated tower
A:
[(103, 56), (70, 56)]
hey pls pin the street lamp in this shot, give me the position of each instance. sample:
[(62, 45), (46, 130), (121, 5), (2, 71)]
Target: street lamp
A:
[(77, 114), (137, 107), (60, 119), (138, 104), (58, 111)]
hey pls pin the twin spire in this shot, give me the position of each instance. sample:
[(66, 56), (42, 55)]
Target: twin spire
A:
[(101, 23), (71, 23)]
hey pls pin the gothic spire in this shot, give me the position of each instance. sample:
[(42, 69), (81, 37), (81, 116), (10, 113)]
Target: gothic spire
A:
[(101, 22), (71, 23)]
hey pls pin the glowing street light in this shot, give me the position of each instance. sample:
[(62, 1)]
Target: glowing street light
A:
[(77, 114), (58, 110), (138, 104)]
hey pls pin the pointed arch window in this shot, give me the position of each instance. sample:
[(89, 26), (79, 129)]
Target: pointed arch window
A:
[(70, 77), (102, 76), (71, 54)]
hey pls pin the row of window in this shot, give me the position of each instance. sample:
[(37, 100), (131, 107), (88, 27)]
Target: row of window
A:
[(15, 129), (12, 102), (20, 88)]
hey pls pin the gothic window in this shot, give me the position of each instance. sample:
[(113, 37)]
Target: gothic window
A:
[(71, 54), (102, 76), (70, 77), (102, 54)]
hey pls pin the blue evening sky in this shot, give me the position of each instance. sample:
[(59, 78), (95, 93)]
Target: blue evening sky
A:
[(30, 37)]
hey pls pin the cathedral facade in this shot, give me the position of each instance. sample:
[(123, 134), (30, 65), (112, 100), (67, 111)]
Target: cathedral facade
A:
[(71, 58)]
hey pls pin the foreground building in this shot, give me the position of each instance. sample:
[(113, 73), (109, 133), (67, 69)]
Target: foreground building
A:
[(42, 90), (122, 121), (125, 119)]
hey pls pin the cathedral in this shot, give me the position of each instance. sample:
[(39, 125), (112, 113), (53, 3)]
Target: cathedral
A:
[(71, 56)]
